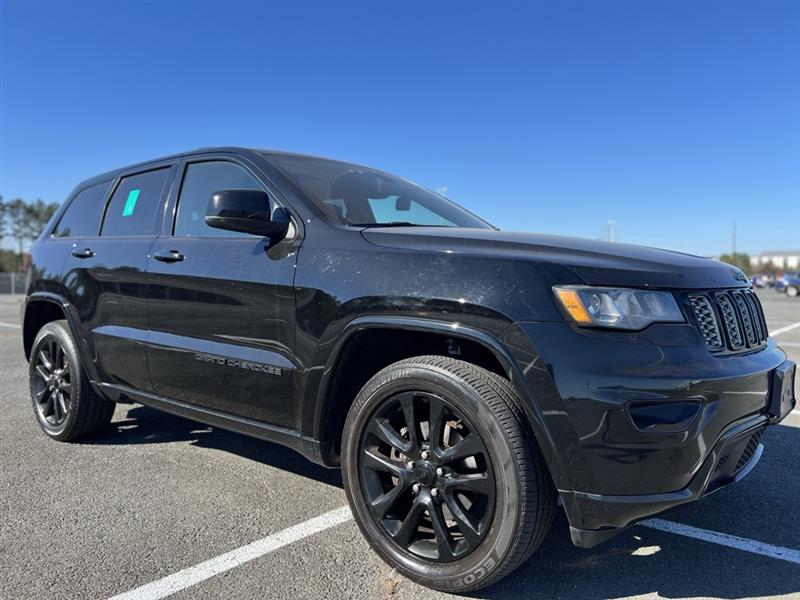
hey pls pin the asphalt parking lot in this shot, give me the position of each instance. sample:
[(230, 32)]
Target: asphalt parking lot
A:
[(156, 495)]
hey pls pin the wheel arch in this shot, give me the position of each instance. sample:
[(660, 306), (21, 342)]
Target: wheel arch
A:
[(42, 308), (330, 409)]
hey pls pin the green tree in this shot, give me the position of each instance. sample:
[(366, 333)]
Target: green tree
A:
[(739, 259), (26, 222)]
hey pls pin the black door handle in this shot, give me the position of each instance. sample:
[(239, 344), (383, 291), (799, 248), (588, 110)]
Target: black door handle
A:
[(85, 253), (171, 256)]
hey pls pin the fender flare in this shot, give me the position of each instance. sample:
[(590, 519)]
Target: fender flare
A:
[(527, 403), (67, 309)]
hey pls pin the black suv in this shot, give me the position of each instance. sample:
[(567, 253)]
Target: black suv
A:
[(463, 378)]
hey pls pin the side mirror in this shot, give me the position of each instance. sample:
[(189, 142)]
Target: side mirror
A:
[(247, 211), (402, 203)]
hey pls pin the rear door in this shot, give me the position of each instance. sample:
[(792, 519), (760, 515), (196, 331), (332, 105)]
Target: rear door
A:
[(222, 309), (106, 277)]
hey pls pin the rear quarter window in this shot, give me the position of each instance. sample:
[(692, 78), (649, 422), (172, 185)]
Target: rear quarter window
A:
[(83, 214), (134, 206)]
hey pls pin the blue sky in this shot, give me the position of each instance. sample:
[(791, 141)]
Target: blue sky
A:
[(672, 119)]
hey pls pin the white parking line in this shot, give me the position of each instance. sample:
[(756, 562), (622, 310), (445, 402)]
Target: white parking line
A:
[(10, 325), (230, 560), (723, 539), (190, 576), (785, 329)]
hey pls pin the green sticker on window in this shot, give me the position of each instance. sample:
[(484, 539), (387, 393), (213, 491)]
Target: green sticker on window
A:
[(130, 203)]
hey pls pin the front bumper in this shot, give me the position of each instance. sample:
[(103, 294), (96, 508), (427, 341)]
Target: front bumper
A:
[(595, 518), (610, 473)]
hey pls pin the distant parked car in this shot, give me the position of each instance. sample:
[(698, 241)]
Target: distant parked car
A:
[(762, 281), (789, 283)]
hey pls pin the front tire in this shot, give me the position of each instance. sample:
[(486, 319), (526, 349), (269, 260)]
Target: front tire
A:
[(444, 479), (792, 291), (66, 406)]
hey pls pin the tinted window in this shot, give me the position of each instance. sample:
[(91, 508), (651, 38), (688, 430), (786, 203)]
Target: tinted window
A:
[(201, 180), (83, 214), (355, 195), (134, 206)]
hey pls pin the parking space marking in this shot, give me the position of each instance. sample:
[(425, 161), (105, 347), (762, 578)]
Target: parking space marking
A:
[(230, 560), (11, 325), (785, 329), (723, 539), (190, 576)]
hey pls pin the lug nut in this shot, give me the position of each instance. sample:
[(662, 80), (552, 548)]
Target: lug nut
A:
[(415, 488), (425, 455), (439, 472), (410, 465), (434, 492)]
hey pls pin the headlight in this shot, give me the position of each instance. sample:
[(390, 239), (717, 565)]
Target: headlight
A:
[(618, 308)]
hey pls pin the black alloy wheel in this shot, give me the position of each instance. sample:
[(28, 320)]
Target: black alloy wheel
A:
[(52, 382), (443, 474), (427, 476), (66, 406)]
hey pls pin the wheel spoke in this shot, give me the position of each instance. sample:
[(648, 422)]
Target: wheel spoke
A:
[(479, 483), (51, 354), (408, 527), (444, 541), (62, 405), (48, 403), (42, 373), (54, 400), (464, 522), (469, 446), (383, 430), (40, 395), (58, 361), (407, 402), (435, 422), (375, 462), (382, 504), (45, 360)]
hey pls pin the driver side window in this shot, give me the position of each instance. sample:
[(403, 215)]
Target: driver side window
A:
[(200, 181)]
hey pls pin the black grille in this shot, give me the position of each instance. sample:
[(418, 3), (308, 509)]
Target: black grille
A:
[(736, 455), (750, 450), (730, 320), (707, 321)]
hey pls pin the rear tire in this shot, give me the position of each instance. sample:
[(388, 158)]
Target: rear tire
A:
[(494, 499), (792, 291), (66, 406)]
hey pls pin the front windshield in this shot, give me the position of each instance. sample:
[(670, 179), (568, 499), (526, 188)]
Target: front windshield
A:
[(354, 195)]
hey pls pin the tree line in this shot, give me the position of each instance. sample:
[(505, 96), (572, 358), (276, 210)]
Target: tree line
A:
[(21, 222)]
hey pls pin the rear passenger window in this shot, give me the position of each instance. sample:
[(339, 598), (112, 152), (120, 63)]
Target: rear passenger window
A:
[(201, 180), (83, 214), (134, 206)]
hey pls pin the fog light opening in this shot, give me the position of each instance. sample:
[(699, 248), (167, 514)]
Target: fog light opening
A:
[(664, 417)]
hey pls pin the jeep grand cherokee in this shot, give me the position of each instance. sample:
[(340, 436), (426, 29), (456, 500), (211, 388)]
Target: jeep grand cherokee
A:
[(463, 378)]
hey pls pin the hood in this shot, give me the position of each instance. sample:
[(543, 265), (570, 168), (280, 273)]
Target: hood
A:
[(594, 262)]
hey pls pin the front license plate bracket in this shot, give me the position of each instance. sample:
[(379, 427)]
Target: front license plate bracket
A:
[(781, 393)]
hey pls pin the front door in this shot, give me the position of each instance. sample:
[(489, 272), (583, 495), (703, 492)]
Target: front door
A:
[(222, 306)]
